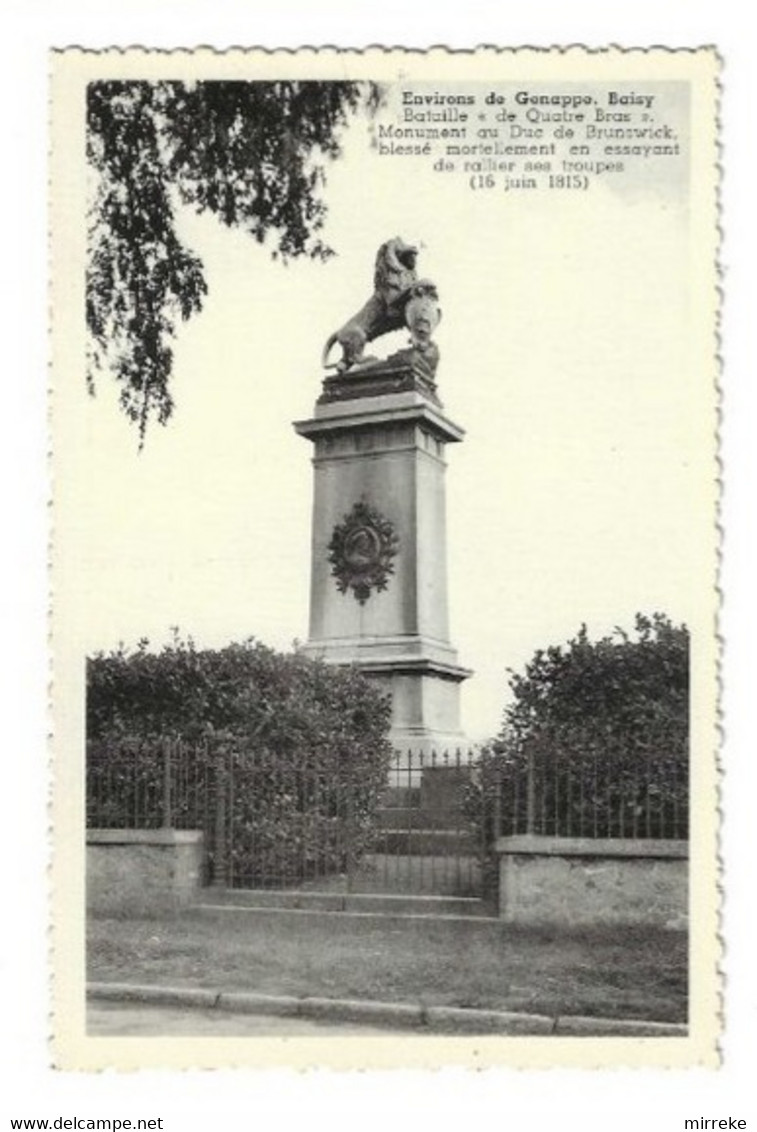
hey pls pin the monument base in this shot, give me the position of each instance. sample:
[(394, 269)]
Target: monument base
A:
[(425, 711), (424, 691)]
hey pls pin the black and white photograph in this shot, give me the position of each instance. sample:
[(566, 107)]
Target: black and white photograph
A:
[(385, 482)]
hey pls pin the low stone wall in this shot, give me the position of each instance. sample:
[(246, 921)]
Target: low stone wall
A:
[(573, 882), (142, 871)]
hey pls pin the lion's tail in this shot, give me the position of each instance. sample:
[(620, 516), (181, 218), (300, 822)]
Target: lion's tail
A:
[(330, 343)]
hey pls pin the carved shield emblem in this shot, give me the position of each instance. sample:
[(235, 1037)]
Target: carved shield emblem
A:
[(361, 551)]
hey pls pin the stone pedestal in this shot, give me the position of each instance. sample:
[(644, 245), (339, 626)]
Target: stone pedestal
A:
[(379, 584)]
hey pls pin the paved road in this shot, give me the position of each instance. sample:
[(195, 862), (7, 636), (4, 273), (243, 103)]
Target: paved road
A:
[(128, 1019)]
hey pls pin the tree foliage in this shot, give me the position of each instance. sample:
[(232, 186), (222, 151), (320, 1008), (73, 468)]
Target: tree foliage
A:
[(304, 743), (595, 739), (628, 687), (251, 153)]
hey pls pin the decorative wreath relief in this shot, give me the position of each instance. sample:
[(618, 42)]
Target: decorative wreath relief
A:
[(361, 551)]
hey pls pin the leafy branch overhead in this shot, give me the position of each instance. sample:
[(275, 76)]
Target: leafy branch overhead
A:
[(251, 153)]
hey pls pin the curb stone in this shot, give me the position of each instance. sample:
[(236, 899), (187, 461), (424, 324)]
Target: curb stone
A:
[(246, 1002), (456, 1019), (154, 995), (347, 1010), (438, 1019), (401, 1014), (580, 1026)]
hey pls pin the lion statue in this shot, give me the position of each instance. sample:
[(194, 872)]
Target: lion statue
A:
[(393, 279)]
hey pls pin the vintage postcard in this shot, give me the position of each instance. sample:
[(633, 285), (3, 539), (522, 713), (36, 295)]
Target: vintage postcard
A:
[(384, 451)]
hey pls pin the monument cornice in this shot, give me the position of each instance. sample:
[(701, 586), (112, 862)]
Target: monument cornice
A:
[(383, 410), (421, 666), (417, 656)]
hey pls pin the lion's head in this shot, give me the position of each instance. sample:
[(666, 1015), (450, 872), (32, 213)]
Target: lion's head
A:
[(395, 269)]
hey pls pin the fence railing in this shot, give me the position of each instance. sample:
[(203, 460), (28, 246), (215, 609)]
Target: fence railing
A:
[(424, 824), (622, 792), (149, 784), (270, 823)]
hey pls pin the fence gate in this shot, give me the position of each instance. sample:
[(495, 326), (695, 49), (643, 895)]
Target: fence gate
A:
[(424, 838)]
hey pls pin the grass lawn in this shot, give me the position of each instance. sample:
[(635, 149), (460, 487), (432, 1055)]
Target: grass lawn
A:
[(617, 973)]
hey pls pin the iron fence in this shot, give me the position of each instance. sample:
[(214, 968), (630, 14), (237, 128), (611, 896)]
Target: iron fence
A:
[(149, 784), (615, 792), (426, 824), (270, 823)]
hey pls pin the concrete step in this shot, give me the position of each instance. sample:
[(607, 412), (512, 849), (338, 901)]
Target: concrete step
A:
[(402, 818), (378, 874), (426, 842), (375, 903), (407, 797)]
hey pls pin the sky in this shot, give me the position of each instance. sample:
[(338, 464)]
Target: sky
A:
[(565, 343)]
